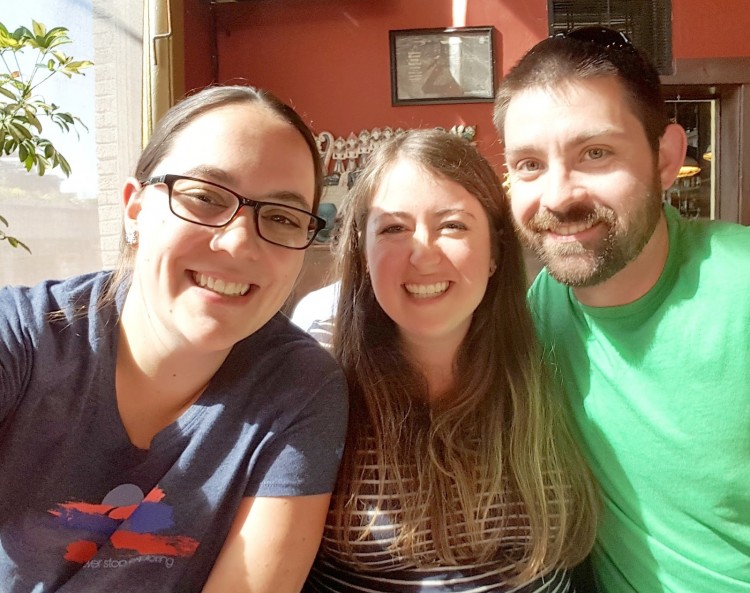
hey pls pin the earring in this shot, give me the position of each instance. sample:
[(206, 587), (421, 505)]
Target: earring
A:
[(131, 238)]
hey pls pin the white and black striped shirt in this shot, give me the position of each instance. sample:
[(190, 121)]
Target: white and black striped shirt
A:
[(373, 568)]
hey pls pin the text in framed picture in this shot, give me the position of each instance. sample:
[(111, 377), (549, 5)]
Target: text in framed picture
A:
[(455, 65)]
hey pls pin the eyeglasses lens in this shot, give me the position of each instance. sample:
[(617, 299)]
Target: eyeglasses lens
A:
[(202, 203), (206, 204), (285, 226)]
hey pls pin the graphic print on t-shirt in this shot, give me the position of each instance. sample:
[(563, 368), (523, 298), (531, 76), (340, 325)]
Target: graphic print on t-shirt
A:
[(129, 521)]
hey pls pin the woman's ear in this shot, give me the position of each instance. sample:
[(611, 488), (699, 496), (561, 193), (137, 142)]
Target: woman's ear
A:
[(672, 150), (131, 199)]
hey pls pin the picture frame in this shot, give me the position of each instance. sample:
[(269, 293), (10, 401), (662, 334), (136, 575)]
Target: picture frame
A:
[(452, 65)]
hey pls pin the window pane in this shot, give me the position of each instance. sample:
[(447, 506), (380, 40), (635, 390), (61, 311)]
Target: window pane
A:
[(694, 191), (54, 215), (66, 221)]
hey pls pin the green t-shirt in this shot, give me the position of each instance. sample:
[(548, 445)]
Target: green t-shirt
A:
[(660, 391)]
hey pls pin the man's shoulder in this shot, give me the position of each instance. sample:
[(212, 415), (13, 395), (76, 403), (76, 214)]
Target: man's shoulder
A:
[(714, 230), (545, 290), (730, 232), (548, 300), (716, 243)]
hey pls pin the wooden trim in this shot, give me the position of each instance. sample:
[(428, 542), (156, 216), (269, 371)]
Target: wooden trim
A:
[(707, 71), (178, 48)]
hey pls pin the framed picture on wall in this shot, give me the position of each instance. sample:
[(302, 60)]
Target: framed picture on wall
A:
[(455, 65)]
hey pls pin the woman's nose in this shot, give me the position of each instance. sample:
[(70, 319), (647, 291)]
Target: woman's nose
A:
[(240, 237), (425, 252)]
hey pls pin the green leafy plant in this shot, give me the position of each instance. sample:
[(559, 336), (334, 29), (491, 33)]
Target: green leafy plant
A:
[(12, 241), (22, 110)]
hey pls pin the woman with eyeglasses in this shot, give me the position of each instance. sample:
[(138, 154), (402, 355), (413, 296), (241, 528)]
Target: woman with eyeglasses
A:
[(459, 473), (164, 427)]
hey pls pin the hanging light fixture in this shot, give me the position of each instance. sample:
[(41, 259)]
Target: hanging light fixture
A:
[(689, 168)]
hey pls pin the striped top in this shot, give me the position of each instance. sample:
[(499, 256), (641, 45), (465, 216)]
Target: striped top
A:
[(373, 568), (322, 331)]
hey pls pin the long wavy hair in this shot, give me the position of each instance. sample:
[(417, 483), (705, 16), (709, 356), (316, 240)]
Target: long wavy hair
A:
[(498, 442)]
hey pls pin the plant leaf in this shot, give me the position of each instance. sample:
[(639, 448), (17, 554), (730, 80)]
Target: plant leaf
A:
[(19, 132), (16, 243), (64, 164), (39, 28), (22, 110), (78, 65), (34, 121)]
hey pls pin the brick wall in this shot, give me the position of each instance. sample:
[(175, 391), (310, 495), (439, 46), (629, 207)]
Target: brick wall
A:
[(117, 54)]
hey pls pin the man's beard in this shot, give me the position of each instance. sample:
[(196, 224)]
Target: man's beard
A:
[(578, 265)]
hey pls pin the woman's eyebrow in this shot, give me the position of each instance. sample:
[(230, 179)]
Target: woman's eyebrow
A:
[(217, 175), (452, 211), (290, 198), (212, 173)]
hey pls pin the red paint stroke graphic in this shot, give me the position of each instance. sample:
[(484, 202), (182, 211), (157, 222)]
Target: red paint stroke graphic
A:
[(80, 552), (145, 543), (156, 495)]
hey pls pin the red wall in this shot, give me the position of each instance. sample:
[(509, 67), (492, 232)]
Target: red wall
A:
[(705, 29), (330, 58)]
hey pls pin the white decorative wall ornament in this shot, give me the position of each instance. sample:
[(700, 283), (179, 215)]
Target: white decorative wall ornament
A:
[(343, 157)]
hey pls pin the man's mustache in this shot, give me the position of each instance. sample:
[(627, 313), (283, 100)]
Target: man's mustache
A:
[(549, 220)]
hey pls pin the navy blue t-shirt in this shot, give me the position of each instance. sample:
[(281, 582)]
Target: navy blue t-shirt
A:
[(82, 509)]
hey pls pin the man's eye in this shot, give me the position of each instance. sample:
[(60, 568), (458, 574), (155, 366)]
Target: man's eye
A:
[(596, 153), (529, 166)]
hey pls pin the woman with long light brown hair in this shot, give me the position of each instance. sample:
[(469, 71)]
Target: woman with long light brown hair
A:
[(459, 472)]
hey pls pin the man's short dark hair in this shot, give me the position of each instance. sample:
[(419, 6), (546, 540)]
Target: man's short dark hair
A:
[(560, 59)]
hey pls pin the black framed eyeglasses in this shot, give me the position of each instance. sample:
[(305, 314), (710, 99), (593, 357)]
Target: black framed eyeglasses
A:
[(213, 205), (601, 36)]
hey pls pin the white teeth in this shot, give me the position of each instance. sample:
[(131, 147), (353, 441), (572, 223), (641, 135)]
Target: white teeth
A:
[(571, 228), (220, 286), (424, 291)]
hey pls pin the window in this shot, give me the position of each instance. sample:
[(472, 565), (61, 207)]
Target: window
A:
[(647, 23), (723, 83), (694, 191), (72, 225)]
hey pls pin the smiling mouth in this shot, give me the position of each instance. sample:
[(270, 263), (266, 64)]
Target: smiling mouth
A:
[(219, 286), (426, 291), (566, 229)]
